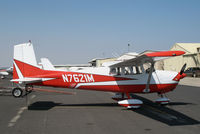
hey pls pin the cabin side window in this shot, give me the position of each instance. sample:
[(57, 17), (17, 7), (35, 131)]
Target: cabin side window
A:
[(113, 71), (131, 70)]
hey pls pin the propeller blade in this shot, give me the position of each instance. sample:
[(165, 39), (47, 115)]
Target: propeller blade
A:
[(183, 69)]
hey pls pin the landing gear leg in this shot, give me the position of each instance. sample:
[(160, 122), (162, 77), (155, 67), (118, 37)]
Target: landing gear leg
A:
[(128, 95), (119, 96), (28, 88)]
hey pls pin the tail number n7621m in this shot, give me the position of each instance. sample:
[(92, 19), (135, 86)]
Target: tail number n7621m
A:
[(78, 78)]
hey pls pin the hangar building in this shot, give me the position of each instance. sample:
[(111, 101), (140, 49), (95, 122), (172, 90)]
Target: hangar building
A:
[(100, 61), (191, 57)]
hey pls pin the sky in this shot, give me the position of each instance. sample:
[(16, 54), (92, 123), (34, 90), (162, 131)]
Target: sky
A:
[(76, 31)]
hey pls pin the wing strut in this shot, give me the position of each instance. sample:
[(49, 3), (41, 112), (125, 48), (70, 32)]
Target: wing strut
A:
[(147, 89)]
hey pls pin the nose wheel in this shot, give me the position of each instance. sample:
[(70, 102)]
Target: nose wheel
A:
[(17, 92)]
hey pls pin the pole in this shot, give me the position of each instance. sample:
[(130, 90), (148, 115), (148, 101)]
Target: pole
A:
[(128, 47)]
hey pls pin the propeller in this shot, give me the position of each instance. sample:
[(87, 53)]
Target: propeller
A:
[(181, 74), (183, 69)]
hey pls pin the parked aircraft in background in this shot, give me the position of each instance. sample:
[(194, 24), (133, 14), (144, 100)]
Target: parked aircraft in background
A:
[(4, 71), (135, 75)]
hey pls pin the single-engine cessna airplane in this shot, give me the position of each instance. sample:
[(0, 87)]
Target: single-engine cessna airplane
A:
[(122, 77)]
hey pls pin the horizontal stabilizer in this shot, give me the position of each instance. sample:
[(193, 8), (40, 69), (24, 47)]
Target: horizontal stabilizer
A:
[(31, 80)]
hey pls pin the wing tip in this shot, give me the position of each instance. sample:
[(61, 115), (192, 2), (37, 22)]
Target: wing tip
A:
[(165, 53)]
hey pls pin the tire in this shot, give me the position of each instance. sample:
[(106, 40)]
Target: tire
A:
[(17, 92)]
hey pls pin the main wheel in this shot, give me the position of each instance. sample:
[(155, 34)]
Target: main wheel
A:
[(17, 92)]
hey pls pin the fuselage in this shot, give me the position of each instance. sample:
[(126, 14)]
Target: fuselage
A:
[(102, 80)]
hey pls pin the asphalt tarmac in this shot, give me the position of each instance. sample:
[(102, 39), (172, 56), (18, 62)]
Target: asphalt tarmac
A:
[(96, 113)]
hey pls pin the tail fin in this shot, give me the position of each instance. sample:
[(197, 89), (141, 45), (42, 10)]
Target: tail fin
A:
[(24, 61)]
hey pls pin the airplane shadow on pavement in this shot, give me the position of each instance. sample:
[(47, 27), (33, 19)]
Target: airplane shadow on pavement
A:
[(149, 109), (165, 114), (46, 105)]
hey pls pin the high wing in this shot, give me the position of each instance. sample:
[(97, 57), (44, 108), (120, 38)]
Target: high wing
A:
[(148, 57)]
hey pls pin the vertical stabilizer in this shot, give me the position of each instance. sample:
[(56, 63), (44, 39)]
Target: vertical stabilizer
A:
[(24, 61), (25, 53)]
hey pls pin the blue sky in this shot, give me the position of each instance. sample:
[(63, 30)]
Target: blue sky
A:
[(75, 31)]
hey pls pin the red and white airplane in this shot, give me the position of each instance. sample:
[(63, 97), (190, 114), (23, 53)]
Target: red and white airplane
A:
[(122, 77)]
